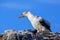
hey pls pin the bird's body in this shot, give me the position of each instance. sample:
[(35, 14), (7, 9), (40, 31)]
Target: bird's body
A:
[(38, 23)]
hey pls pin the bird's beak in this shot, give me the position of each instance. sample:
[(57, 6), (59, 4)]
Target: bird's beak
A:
[(21, 16)]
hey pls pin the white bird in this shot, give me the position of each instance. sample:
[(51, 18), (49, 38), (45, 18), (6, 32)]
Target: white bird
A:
[(37, 22)]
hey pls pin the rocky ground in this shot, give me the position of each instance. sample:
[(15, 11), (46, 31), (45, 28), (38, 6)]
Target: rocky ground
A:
[(28, 35)]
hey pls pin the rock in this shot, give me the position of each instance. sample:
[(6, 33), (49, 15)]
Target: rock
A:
[(29, 35)]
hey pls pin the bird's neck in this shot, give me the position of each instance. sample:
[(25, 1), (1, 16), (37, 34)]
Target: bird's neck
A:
[(30, 17)]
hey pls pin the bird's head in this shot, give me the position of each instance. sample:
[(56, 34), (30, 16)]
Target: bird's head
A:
[(24, 14)]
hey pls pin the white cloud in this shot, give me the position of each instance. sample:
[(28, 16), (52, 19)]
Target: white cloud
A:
[(14, 5)]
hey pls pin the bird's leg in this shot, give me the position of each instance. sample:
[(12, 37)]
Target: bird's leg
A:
[(40, 29)]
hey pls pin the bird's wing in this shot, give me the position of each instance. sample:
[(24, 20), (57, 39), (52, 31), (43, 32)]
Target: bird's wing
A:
[(45, 23)]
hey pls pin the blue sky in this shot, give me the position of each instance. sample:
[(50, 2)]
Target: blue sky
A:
[(11, 9)]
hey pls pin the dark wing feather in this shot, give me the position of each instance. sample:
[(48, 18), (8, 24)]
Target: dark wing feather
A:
[(46, 24)]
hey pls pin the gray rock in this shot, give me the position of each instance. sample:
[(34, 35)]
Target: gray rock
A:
[(28, 35)]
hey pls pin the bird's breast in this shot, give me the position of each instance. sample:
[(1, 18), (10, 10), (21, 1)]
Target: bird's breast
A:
[(35, 23)]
